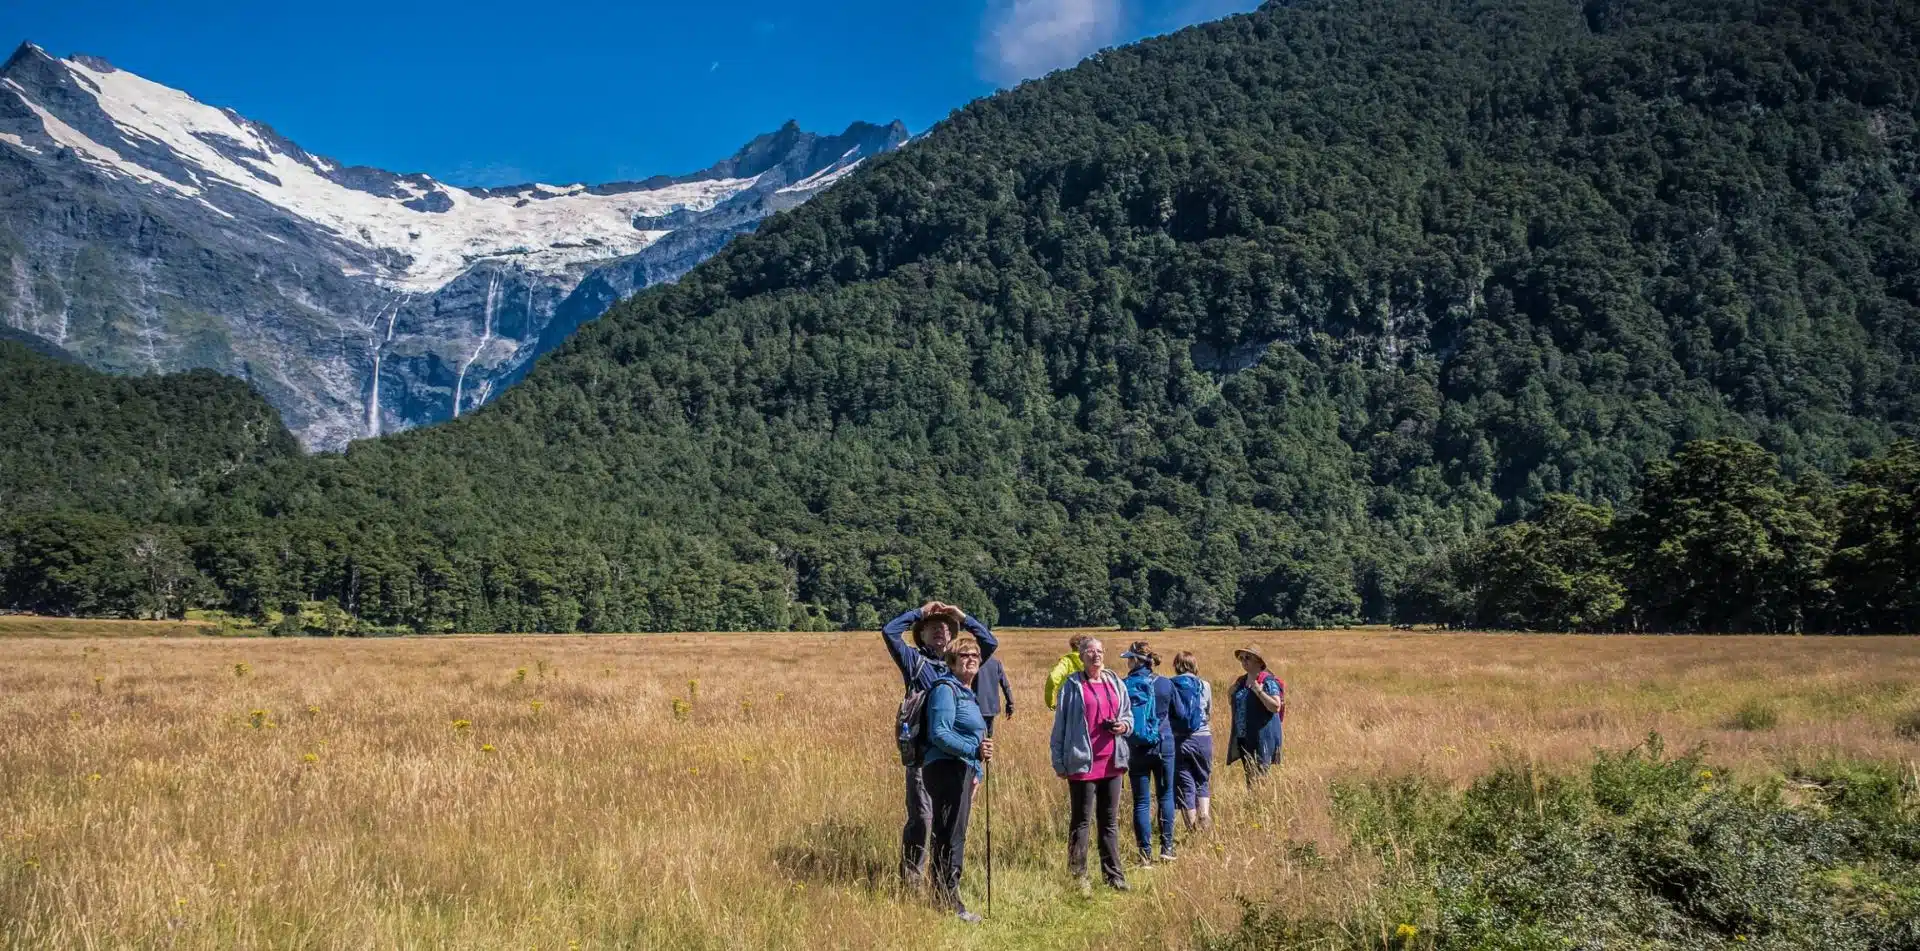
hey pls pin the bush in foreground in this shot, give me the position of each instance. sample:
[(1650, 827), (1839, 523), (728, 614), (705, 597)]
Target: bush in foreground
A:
[(1648, 851)]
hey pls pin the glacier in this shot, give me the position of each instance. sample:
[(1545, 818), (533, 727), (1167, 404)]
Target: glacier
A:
[(145, 231)]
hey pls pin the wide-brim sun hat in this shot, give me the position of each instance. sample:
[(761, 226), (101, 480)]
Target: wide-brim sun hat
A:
[(951, 615), (1253, 652)]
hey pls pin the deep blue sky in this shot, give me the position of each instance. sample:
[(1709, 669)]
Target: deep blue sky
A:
[(478, 92)]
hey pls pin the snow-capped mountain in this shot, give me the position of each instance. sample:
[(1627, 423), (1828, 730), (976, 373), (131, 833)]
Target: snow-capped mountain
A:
[(144, 231)]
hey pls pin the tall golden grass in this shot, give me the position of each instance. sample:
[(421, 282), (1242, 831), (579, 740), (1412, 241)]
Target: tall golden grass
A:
[(741, 791)]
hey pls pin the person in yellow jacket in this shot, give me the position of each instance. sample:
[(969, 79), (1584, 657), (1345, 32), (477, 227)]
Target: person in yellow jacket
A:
[(1066, 667)]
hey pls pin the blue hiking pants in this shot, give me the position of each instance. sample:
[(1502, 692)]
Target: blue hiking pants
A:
[(1150, 772), (1193, 771)]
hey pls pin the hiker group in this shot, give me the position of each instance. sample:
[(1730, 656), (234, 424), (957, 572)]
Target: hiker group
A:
[(1155, 731)]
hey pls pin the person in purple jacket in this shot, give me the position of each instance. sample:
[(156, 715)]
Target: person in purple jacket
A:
[(932, 626)]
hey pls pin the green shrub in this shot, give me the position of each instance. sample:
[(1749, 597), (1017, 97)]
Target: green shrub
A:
[(1649, 851), (1756, 715)]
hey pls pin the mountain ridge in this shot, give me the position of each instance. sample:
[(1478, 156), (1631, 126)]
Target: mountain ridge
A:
[(361, 300)]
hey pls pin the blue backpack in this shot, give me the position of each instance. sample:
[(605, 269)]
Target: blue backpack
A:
[(1146, 722), (1191, 693)]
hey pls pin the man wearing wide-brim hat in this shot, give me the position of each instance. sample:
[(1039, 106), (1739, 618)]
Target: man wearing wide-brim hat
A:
[(1259, 708), (933, 626)]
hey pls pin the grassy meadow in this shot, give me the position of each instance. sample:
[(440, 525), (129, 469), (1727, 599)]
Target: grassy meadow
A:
[(32, 625), (741, 791)]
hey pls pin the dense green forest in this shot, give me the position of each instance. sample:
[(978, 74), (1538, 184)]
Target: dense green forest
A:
[(1278, 317), (94, 468), (1716, 540)]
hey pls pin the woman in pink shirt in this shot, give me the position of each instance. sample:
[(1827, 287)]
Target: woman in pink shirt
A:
[(1091, 716)]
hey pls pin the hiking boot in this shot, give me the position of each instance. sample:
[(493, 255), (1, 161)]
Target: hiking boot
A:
[(1166, 855)]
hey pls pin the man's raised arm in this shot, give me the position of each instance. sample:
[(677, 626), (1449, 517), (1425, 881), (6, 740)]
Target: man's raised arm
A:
[(980, 633), (914, 671)]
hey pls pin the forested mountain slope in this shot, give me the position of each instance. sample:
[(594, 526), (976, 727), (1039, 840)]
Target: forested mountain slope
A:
[(1244, 320), (141, 448)]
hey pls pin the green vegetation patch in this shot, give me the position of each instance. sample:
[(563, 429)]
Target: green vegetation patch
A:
[(1647, 850)]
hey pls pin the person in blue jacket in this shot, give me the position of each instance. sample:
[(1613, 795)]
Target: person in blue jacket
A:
[(991, 686), (1259, 709), (1193, 744), (933, 627), (957, 743), (1151, 750)]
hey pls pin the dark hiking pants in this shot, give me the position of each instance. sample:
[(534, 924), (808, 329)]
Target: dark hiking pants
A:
[(1095, 799), (949, 784), (913, 836)]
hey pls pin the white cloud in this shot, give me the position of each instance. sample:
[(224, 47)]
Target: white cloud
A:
[(1022, 39)]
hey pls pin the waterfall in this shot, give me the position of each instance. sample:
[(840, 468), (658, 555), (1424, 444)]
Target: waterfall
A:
[(378, 345), (486, 336)]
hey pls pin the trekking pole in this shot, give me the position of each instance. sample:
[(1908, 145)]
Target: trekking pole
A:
[(987, 768)]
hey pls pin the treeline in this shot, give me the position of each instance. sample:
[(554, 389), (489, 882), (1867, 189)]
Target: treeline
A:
[(1716, 540), (1265, 320)]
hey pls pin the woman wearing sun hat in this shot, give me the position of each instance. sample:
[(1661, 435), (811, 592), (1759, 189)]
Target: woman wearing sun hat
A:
[(957, 744), (934, 626), (1259, 707)]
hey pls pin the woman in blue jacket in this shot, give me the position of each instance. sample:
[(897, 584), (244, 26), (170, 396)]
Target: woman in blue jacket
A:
[(933, 626), (1150, 754), (1259, 707), (1193, 744), (957, 743)]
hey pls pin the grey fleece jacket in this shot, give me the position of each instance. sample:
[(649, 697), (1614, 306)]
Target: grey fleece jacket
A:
[(1072, 748)]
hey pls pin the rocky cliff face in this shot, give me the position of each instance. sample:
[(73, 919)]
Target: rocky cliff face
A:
[(142, 231)]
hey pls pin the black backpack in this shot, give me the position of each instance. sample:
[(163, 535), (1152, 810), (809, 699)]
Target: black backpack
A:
[(910, 724)]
